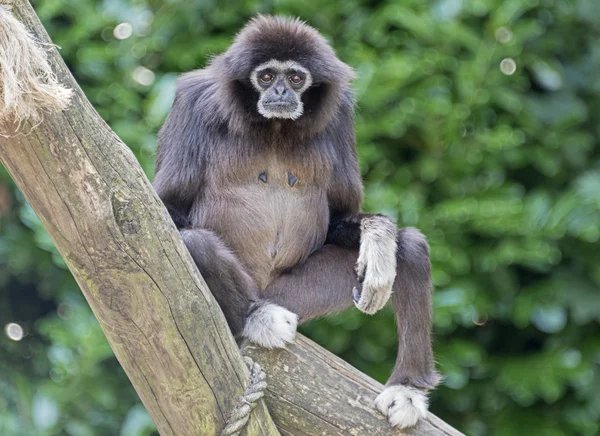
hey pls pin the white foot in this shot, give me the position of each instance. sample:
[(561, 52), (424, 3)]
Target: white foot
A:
[(271, 326), (402, 405), (376, 264)]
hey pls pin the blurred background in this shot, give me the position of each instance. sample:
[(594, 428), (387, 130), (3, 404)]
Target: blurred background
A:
[(477, 121)]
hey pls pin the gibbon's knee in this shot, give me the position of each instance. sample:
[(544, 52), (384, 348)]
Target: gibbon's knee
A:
[(210, 253), (198, 244), (224, 274)]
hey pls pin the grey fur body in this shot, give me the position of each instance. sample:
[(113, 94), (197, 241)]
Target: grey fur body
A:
[(270, 226), (269, 206)]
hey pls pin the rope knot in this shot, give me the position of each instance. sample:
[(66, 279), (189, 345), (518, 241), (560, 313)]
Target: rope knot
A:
[(28, 85), (247, 402)]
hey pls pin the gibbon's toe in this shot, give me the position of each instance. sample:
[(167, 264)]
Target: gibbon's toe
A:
[(271, 326), (402, 405)]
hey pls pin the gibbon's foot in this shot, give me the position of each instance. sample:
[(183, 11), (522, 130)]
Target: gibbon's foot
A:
[(402, 405), (376, 264), (270, 325)]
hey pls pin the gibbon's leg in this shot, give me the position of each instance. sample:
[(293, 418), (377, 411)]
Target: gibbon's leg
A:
[(404, 399), (324, 284), (264, 323), (320, 286)]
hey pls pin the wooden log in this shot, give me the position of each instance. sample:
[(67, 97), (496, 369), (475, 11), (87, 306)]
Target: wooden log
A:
[(163, 324), (313, 392), (119, 242)]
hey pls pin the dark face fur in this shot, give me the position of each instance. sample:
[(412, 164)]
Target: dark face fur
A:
[(279, 70), (280, 86)]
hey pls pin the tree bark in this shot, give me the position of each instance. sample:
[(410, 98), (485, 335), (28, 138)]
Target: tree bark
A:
[(119, 242), (313, 392), (155, 309)]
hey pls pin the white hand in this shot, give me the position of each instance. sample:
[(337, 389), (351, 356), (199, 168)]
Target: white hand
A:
[(376, 264)]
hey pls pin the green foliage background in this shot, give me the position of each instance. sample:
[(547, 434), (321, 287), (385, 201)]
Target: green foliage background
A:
[(500, 171)]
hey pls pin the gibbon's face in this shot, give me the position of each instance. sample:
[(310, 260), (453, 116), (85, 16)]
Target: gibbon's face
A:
[(280, 85)]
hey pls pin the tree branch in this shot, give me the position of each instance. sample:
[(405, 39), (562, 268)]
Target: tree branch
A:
[(161, 320), (313, 392)]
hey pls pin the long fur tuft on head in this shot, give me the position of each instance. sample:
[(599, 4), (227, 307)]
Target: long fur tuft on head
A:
[(225, 83), (28, 86), (267, 37)]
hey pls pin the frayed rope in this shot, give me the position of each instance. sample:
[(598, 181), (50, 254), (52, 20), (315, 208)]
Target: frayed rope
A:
[(28, 86), (255, 391)]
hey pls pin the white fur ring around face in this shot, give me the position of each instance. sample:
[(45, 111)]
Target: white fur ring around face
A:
[(402, 405), (376, 264), (271, 326)]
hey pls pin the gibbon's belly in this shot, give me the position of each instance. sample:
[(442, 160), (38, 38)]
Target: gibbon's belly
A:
[(271, 228)]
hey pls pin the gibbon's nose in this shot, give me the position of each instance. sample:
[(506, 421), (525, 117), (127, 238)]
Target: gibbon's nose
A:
[(281, 90)]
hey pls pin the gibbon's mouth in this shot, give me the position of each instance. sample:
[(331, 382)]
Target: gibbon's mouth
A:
[(280, 106), (285, 109)]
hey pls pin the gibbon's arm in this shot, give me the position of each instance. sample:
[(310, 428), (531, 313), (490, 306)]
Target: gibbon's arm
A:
[(345, 191), (182, 143), (374, 236)]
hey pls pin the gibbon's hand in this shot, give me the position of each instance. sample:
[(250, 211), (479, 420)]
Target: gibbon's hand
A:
[(376, 264)]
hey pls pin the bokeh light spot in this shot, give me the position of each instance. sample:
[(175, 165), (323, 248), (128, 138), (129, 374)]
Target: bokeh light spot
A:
[(143, 76), (123, 31), (508, 66), (64, 311), (14, 331), (479, 320), (503, 35)]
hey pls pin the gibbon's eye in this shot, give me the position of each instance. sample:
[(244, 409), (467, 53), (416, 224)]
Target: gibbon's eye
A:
[(296, 79), (266, 78)]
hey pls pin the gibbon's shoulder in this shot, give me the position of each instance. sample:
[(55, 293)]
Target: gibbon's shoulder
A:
[(195, 84)]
